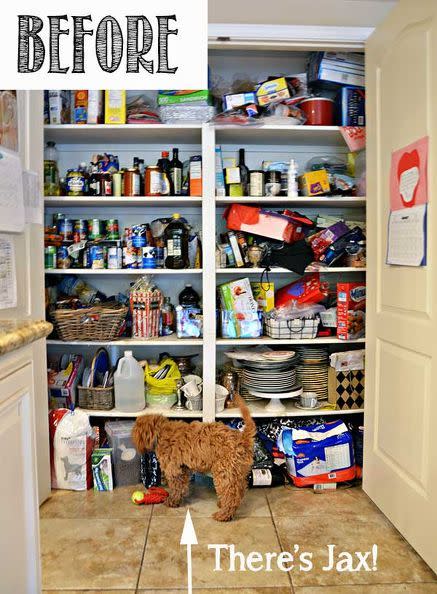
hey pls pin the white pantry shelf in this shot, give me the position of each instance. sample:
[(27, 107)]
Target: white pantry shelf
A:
[(122, 271), (300, 202), (259, 411), (171, 413), (163, 341), (123, 133), (121, 201), (289, 341), (280, 134), (326, 270)]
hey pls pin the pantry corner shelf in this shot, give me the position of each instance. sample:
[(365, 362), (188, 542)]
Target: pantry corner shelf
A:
[(282, 134), (122, 271), (123, 133), (128, 342), (171, 413), (121, 201), (259, 410), (289, 341), (243, 271)]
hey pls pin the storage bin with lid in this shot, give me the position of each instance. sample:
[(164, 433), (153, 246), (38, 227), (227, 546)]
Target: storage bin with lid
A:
[(126, 461)]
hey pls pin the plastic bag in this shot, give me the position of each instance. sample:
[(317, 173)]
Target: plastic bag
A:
[(168, 371), (293, 310)]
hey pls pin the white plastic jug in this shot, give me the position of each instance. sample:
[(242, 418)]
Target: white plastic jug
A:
[(129, 384)]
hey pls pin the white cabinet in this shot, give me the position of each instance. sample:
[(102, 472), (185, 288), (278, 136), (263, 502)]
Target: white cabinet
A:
[(19, 538)]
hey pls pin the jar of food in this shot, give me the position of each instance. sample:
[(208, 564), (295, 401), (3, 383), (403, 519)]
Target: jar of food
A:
[(131, 182), (273, 183), (152, 182), (75, 182), (256, 183)]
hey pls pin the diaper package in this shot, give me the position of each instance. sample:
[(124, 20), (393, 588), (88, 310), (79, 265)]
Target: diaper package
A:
[(321, 453)]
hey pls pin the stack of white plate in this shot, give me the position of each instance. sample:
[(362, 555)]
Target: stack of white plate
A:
[(276, 373), (312, 370)]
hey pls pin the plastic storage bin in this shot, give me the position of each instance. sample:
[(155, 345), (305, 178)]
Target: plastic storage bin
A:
[(126, 461)]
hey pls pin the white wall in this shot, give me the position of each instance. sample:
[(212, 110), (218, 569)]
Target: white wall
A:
[(361, 13)]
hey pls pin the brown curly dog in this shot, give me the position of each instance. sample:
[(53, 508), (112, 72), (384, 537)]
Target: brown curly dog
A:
[(182, 448)]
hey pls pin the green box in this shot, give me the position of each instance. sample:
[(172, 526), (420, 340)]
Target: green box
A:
[(178, 97)]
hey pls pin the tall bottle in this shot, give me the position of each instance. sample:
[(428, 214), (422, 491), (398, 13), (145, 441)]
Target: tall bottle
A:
[(129, 388), (292, 187), (167, 188), (176, 243), (176, 169), (244, 173), (51, 171)]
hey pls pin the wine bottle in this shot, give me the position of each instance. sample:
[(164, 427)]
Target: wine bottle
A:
[(176, 169), (244, 173)]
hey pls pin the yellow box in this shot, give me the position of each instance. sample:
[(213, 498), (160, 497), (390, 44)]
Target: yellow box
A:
[(115, 107), (264, 294), (314, 183), (272, 91)]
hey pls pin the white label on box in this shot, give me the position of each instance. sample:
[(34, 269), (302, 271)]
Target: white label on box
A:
[(337, 457)]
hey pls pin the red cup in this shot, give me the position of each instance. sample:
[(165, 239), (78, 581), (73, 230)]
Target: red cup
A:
[(318, 110)]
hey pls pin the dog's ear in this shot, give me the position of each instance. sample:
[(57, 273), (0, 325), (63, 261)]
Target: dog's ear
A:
[(145, 432)]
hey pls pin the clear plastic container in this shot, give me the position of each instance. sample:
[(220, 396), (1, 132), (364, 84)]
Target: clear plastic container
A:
[(125, 459), (129, 388)]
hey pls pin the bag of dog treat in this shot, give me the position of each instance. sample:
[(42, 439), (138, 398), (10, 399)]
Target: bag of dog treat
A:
[(71, 445)]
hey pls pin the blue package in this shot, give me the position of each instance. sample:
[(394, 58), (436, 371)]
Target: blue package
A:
[(321, 453), (351, 106)]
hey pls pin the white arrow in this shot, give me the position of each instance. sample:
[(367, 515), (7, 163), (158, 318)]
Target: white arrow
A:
[(189, 538)]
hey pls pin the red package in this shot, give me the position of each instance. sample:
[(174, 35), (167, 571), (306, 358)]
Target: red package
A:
[(258, 221), (351, 310), (308, 289)]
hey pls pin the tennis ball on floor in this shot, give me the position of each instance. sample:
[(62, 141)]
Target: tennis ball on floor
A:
[(137, 497)]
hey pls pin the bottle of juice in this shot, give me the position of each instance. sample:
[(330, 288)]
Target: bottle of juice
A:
[(51, 171), (176, 242)]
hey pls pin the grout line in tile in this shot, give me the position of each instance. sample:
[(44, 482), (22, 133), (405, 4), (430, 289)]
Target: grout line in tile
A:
[(144, 550), (280, 543)]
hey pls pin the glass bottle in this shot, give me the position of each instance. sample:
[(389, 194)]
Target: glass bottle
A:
[(176, 243), (51, 171), (176, 169), (167, 188), (244, 173)]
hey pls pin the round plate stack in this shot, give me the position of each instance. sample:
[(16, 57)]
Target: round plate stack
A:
[(312, 370), (276, 373)]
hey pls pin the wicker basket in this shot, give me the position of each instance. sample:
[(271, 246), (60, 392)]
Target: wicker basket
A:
[(102, 322), (95, 398)]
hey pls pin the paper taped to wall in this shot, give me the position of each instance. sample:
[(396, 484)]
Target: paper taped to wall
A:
[(8, 278), (11, 192)]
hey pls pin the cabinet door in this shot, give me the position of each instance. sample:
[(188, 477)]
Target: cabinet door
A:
[(19, 526), (401, 405)]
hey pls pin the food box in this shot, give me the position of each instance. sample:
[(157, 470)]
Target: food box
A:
[(351, 310), (264, 294), (62, 384), (235, 100), (59, 107), (314, 183), (272, 91), (351, 106), (95, 107), (80, 111), (240, 313), (115, 107), (338, 68)]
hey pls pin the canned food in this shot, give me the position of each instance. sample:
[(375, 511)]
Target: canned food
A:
[(130, 256), (50, 257), (117, 183), (148, 257), (256, 183), (273, 183), (95, 229), (139, 236), (153, 181), (131, 182), (115, 257), (97, 257), (65, 229), (63, 260), (80, 230), (112, 229)]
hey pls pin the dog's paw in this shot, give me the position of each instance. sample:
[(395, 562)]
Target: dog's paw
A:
[(222, 516), (169, 502)]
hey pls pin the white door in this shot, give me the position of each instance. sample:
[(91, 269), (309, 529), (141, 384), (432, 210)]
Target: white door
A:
[(401, 399), (19, 526)]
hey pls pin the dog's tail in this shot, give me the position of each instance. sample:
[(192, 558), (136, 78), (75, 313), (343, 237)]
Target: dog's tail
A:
[(249, 430)]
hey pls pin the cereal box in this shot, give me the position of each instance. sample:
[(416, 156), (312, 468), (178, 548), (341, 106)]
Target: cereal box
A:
[(351, 310)]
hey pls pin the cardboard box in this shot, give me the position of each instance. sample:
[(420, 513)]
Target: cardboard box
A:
[(336, 68), (95, 107), (351, 107), (264, 294), (272, 91), (314, 183), (235, 100), (346, 389), (115, 107), (59, 107), (80, 110), (196, 176), (351, 310)]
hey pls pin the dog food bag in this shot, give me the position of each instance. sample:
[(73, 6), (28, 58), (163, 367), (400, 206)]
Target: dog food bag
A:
[(125, 459), (321, 453), (71, 446), (351, 310)]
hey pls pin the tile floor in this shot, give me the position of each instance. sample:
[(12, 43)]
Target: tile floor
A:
[(102, 543)]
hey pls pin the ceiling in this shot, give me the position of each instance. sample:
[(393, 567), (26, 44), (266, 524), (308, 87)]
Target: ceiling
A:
[(361, 13)]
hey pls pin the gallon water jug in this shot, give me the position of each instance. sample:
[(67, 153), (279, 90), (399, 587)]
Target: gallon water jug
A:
[(129, 384)]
